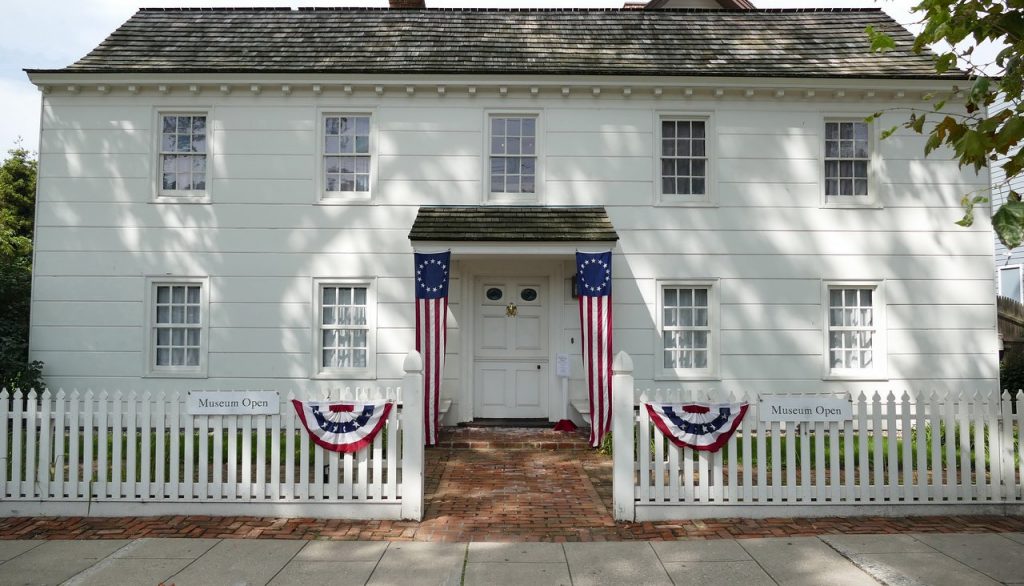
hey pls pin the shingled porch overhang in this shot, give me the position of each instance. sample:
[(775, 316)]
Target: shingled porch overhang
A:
[(510, 229)]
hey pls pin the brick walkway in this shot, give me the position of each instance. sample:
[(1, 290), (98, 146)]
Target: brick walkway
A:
[(509, 485)]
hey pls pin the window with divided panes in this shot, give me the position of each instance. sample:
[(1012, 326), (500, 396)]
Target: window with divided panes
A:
[(686, 327), (684, 161), (177, 325), (344, 327), (847, 156), (182, 153), (513, 154), (851, 328), (346, 154)]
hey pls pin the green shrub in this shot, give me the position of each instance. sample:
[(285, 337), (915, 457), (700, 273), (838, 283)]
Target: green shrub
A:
[(1011, 369), (16, 372)]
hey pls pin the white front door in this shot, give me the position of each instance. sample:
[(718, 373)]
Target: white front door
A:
[(511, 358)]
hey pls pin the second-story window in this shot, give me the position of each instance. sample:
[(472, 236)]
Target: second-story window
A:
[(183, 150), (684, 160), (346, 155), (847, 158), (513, 156)]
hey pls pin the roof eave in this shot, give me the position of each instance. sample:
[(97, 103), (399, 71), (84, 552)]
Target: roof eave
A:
[(59, 75)]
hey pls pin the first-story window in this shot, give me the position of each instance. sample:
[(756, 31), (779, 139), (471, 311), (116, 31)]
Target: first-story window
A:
[(513, 155), (688, 322), (1010, 282), (856, 338), (345, 332), (177, 324), (183, 151)]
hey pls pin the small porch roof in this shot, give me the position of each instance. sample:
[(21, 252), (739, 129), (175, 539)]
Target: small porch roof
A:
[(512, 224)]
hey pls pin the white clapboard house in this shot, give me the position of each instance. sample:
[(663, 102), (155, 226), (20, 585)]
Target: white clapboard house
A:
[(231, 198)]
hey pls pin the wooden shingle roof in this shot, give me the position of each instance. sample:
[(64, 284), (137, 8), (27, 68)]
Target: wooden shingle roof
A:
[(684, 42), (513, 224)]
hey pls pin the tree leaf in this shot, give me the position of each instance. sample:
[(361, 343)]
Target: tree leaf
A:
[(880, 41), (1008, 223)]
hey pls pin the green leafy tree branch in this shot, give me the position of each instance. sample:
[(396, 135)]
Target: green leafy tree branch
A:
[(17, 216), (979, 136)]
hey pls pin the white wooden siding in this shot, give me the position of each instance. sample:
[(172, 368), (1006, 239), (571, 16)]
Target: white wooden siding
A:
[(264, 238)]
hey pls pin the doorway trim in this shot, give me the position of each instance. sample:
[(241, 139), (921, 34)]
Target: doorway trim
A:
[(550, 269)]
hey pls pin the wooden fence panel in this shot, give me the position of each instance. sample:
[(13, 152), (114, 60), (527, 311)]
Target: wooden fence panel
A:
[(928, 448), (76, 452)]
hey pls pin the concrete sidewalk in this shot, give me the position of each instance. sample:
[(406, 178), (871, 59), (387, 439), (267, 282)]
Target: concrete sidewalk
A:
[(954, 559)]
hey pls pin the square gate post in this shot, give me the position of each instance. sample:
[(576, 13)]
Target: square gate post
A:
[(623, 421), (412, 437)]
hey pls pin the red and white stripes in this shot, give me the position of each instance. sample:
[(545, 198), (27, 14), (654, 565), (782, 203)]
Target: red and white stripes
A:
[(431, 342), (596, 318)]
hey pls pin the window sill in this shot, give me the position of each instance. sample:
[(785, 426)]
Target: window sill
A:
[(344, 198), (505, 199), (344, 375), (696, 376), (182, 199), (663, 203), (171, 374), (848, 205), (857, 377)]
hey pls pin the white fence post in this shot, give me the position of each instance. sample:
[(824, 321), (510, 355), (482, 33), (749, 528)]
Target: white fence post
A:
[(412, 437), (623, 482), (1006, 463)]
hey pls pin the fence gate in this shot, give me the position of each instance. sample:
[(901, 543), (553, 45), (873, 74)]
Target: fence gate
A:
[(117, 454), (930, 453)]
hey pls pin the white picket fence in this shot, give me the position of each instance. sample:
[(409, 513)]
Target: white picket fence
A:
[(930, 453), (117, 454)]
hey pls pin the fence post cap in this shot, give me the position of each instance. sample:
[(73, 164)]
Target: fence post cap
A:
[(413, 362), (622, 364)]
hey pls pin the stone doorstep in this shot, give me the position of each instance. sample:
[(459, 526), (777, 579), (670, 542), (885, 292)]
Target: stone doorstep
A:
[(512, 438)]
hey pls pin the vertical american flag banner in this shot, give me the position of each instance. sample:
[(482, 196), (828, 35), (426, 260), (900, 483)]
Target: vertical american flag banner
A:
[(594, 287), (432, 331)]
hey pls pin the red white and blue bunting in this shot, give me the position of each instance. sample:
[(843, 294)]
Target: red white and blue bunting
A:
[(698, 426), (342, 427)]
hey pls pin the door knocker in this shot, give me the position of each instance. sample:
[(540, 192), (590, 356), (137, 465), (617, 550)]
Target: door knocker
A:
[(511, 310)]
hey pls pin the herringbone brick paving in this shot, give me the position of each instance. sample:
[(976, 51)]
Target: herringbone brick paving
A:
[(497, 485)]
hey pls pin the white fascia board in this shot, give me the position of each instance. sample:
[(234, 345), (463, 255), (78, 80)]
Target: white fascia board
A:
[(41, 78), (512, 248)]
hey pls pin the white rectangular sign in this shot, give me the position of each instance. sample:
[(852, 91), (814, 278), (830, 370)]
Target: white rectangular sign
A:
[(562, 365), (805, 408), (233, 403)]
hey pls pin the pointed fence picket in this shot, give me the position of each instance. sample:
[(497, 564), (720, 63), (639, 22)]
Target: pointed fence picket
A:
[(80, 453), (899, 454)]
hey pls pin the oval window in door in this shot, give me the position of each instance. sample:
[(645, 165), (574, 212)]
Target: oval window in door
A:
[(494, 294), (528, 294)]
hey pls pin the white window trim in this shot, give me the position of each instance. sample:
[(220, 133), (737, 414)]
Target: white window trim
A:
[(180, 196), (345, 197), (711, 373), (1020, 277), (368, 373), (150, 368), (872, 199), (710, 198), (537, 197), (879, 371)]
